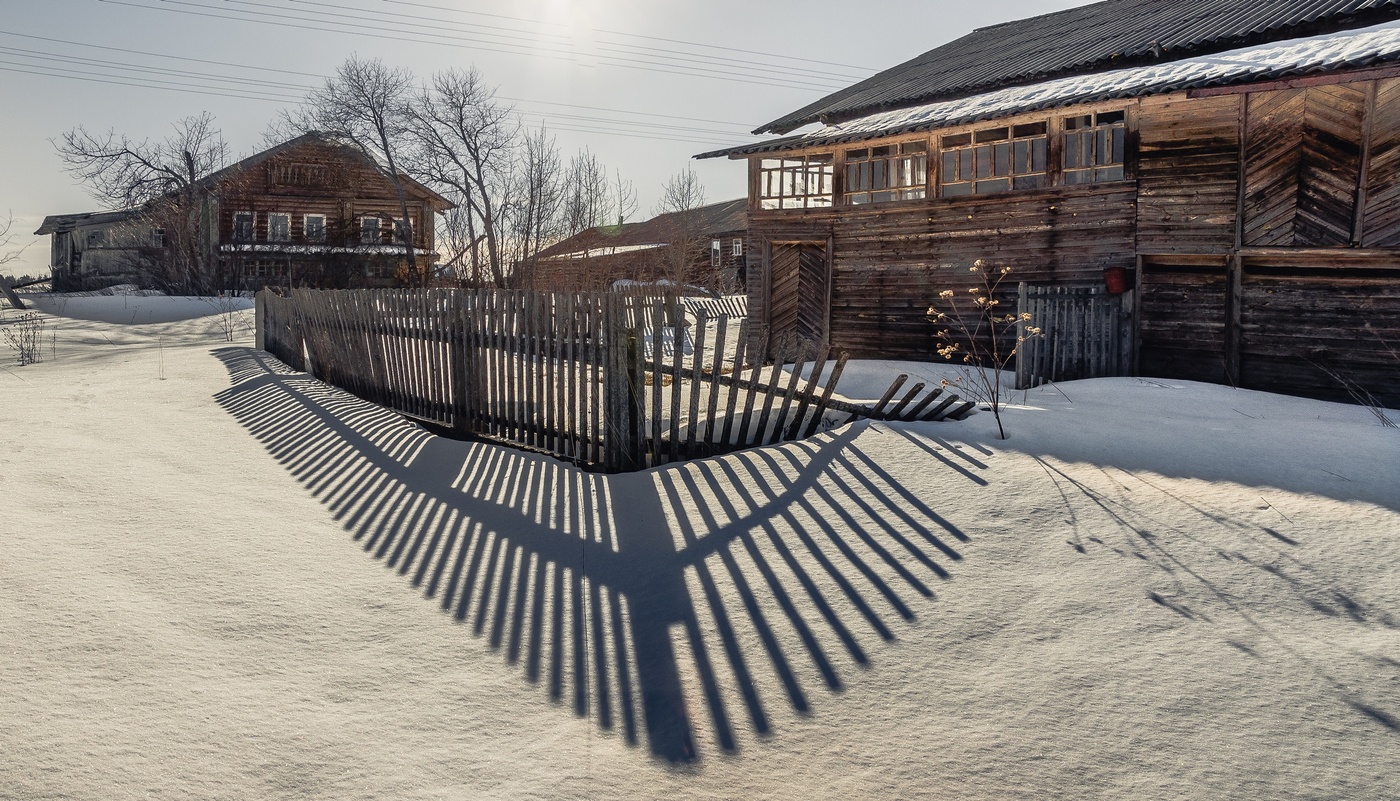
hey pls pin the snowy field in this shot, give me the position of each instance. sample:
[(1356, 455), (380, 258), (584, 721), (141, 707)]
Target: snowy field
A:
[(225, 580)]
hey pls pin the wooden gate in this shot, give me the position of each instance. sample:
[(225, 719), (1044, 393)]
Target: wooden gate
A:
[(800, 297)]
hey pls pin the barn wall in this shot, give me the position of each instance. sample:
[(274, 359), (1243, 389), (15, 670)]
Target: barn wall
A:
[(1264, 224), (1188, 174)]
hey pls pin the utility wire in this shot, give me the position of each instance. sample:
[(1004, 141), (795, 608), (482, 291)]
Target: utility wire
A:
[(382, 33), (613, 125), (745, 126), (635, 36)]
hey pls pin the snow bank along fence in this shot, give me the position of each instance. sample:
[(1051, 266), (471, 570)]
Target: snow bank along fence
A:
[(1081, 335), (608, 381)]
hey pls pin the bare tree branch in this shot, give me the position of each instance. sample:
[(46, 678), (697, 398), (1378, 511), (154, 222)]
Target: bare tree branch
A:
[(369, 103)]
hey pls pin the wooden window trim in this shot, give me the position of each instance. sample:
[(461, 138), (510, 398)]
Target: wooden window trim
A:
[(378, 229), (252, 226), (850, 196), (782, 201), (288, 231), (305, 227)]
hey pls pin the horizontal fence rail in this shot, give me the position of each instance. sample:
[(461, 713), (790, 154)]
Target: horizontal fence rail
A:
[(1081, 335), (609, 381)]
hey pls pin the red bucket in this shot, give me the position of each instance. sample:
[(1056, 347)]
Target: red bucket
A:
[(1118, 280)]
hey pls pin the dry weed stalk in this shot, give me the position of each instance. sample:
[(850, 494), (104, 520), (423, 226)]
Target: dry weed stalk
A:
[(980, 340)]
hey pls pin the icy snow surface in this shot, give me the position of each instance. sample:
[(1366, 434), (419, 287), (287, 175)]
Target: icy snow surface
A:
[(224, 580)]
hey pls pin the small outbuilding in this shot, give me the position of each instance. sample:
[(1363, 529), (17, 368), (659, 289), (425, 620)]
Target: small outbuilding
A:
[(704, 247)]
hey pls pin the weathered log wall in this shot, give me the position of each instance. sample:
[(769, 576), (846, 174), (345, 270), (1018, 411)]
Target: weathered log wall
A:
[(1263, 222)]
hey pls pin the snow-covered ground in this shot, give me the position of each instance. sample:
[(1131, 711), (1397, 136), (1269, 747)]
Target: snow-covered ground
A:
[(222, 579)]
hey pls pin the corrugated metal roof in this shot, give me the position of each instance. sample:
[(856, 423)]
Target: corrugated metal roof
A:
[(1347, 50), (1107, 35)]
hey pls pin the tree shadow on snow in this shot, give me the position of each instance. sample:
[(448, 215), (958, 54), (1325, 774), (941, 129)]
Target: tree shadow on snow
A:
[(754, 579)]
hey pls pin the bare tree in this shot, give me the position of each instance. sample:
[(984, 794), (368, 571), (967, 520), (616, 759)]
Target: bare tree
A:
[(624, 198), (680, 198), (466, 145), (537, 200), (8, 254), (588, 197), (163, 177), (369, 103)]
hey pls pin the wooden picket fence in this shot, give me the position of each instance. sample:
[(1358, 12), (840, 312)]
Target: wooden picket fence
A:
[(1081, 335), (608, 381)]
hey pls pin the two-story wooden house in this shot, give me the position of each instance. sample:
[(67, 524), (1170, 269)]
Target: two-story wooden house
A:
[(314, 211), (1238, 157)]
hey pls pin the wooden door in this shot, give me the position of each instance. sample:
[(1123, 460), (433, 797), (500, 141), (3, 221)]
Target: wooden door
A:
[(1183, 315), (799, 292)]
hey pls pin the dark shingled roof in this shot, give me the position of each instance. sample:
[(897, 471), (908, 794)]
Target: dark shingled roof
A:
[(1107, 35)]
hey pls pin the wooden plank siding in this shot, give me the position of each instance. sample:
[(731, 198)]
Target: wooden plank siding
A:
[(1303, 154), (1381, 215), (1188, 174), (1263, 226)]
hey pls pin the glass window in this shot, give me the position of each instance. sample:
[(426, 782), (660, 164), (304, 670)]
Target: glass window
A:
[(314, 228), (1094, 147), (995, 160), (887, 173), (279, 227), (714, 252), (369, 231), (738, 247), (97, 239), (799, 182), (243, 226)]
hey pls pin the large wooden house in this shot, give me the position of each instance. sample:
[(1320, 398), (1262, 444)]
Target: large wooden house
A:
[(704, 246), (314, 211), (1239, 158)]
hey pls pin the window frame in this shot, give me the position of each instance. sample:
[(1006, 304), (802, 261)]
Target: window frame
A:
[(738, 247), (378, 230), (286, 231), (716, 252), (306, 227), (252, 217), (1097, 134), (986, 160), (785, 171), (907, 159)]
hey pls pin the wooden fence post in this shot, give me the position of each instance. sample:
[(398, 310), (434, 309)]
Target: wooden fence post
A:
[(260, 320)]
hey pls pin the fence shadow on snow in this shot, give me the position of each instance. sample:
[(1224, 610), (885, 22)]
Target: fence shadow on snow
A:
[(761, 580)]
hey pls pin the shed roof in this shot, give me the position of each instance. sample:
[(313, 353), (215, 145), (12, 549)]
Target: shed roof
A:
[(716, 218), (1102, 36)]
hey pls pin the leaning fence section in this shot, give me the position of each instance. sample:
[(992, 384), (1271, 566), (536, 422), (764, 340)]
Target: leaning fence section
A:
[(615, 382), (1080, 335)]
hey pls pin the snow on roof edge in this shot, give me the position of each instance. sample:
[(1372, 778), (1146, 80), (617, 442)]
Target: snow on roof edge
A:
[(1354, 48)]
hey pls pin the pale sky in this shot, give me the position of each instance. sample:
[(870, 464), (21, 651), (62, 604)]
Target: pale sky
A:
[(645, 84)]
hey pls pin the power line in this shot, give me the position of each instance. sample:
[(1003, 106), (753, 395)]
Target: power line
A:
[(259, 84), (378, 18), (146, 53), (745, 126), (379, 32), (636, 36), (623, 128), (39, 54), (205, 91)]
